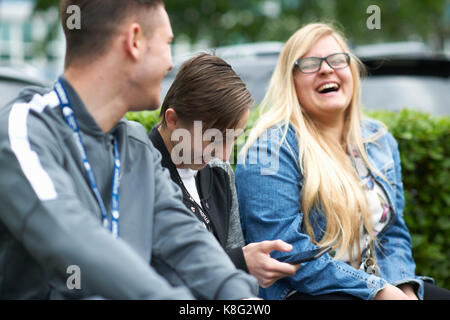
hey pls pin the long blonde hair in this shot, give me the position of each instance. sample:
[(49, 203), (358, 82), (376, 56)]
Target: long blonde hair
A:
[(330, 181)]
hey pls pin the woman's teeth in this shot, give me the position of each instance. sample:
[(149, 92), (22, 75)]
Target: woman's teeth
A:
[(328, 87)]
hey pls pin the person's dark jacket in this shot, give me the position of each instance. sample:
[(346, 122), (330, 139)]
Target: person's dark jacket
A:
[(215, 185)]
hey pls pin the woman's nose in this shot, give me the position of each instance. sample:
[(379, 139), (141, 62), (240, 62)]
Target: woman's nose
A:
[(325, 68)]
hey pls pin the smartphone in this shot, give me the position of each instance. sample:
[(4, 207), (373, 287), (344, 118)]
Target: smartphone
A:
[(304, 256)]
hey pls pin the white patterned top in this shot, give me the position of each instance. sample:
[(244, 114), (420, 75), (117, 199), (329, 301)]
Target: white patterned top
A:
[(378, 205)]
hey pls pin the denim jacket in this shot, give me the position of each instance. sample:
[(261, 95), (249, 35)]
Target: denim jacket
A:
[(269, 185)]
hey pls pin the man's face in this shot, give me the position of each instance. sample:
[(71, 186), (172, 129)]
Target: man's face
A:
[(198, 147), (155, 63)]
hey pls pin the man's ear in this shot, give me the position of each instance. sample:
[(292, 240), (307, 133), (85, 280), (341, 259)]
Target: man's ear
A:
[(171, 118), (134, 40)]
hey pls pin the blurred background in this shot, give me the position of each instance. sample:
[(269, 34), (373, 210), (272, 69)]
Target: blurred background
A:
[(30, 28), (408, 54)]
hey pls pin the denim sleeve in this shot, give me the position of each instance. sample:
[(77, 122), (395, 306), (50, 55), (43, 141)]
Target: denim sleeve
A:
[(395, 243), (269, 188)]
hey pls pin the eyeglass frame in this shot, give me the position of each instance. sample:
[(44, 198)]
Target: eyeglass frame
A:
[(347, 58)]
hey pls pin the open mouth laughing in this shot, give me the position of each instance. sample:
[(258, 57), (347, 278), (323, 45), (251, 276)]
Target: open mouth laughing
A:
[(328, 87)]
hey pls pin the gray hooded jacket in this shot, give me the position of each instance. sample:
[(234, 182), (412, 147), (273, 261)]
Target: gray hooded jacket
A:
[(50, 220)]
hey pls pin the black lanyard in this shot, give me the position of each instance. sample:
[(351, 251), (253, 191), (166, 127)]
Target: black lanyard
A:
[(193, 205)]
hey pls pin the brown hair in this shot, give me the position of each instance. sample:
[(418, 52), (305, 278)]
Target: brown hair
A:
[(207, 89), (99, 22)]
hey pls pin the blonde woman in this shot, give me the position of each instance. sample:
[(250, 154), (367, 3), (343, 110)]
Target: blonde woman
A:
[(314, 173)]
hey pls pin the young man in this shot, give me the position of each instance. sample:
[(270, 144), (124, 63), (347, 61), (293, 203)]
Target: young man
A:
[(195, 145), (84, 190)]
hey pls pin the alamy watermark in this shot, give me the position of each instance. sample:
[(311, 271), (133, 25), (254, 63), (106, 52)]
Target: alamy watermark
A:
[(73, 21), (197, 146), (374, 20), (74, 280)]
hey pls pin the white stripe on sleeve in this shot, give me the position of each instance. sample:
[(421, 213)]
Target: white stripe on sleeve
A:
[(20, 145)]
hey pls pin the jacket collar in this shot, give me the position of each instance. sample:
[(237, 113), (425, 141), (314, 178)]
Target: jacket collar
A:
[(204, 181), (369, 127), (89, 126), (85, 120), (166, 160), (203, 177)]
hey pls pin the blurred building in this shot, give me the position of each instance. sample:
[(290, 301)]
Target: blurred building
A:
[(28, 39), (24, 38)]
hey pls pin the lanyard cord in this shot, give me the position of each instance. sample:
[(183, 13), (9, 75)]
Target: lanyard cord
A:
[(195, 207), (69, 116)]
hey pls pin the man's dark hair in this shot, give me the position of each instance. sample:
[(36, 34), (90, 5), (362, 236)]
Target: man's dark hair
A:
[(100, 20), (207, 89)]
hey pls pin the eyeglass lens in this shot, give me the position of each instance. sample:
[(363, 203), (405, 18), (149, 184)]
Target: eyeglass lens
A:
[(313, 64)]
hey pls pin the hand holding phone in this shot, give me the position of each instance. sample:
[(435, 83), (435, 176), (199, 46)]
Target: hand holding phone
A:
[(305, 256)]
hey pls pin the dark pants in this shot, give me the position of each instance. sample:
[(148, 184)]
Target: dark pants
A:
[(431, 292)]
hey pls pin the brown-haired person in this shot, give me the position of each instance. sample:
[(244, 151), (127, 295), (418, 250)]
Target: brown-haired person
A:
[(85, 205), (203, 113)]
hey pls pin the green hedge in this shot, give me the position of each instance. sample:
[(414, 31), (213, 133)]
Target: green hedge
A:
[(424, 143), (147, 118)]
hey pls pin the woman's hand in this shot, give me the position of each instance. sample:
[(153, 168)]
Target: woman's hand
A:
[(263, 267), (391, 292)]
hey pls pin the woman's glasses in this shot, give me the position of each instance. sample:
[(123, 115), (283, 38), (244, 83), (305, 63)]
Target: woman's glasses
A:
[(313, 64)]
